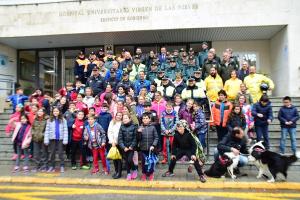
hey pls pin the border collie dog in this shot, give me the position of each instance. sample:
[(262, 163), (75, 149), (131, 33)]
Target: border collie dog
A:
[(226, 163), (269, 163)]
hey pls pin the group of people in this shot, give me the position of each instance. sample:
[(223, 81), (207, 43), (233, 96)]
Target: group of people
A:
[(143, 106)]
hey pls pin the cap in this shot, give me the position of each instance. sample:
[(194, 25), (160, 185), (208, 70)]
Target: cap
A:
[(109, 52), (136, 57), (197, 70), (205, 43), (165, 78), (175, 50), (154, 63), (125, 73), (147, 103), (161, 71), (95, 68), (92, 53), (182, 50), (101, 50), (172, 60), (123, 50), (191, 78), (81, 53), (191, 50)]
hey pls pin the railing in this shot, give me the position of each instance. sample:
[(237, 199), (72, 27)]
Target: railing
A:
[(10, 83)]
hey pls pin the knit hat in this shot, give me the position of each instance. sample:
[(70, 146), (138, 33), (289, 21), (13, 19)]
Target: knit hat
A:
[(183, 123)]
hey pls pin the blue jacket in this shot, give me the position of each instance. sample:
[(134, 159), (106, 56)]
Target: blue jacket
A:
[(287, 114), (169, 122), (138, 84), (265, 110), (104, 119), (16, 99), (200, 122), (118, 75)]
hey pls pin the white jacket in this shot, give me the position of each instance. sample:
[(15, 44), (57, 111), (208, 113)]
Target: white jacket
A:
[(113, 131)]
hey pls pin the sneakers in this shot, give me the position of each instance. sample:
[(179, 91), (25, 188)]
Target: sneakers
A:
[(14, 157), (143, 177), (94, 171), (168, 174), (74, 167), (128, 178), (134, 174), (85, 167), (62, 169), (151, 177), (16, 169), (51, 169), (164, 161), (25, 169), (202, 178)]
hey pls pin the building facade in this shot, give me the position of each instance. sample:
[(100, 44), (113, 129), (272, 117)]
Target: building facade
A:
[(39, 40)]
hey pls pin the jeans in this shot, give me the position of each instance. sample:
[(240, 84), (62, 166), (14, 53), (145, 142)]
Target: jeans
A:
[(263, 131), (53, 145), (202, 139), (242, 161), (40, 154), (292, 133), (26, 154)]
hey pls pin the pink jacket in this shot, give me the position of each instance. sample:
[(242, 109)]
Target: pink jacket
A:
[(12, 123), (27, 136), (159, 107)]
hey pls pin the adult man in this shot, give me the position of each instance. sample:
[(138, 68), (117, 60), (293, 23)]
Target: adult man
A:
[(160, 75), (139, 52), (96, 82), (140, 83), (190, 67), (227, 66), (136, 68), (152, 74), (244, 71), (163, 55), (93, 62), (193, 92), (80, 66), (235, 142), (118, 72), (125, 81), (209, 63), (202, 55), (253, 82), (213, 84), (167, 89), (109, 59), (127, 60), (172, 69)]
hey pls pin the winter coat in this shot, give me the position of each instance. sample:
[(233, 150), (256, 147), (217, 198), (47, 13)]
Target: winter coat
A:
[(186, 115), (16, 99), (159, 107), (50, 131), (104, 119), (235, 120), (96, 83), (89, 101), (169, 122), (77, 133), (208, 64), (253, 82), (168, 91), (193, 92), (287, 114), (147, 138), (201, 125), (179, 87), (99, 135), (184, 142), (216, 113), (230, 141), (26, 140), (113, 132), (227, 69), (128, 136), (138, 84), (38, 129), (265, 110)]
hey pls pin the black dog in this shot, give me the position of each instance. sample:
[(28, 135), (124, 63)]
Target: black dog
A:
[(271, 161), (219, 167)]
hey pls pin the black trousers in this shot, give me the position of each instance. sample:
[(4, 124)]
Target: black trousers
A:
[(180, 154), (75, 147), (128, 157), (221, 132)]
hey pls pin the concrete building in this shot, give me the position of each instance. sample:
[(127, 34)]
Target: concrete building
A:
[(40, 39)]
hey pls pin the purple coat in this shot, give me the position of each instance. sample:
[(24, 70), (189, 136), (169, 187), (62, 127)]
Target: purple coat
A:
[(186, 115)]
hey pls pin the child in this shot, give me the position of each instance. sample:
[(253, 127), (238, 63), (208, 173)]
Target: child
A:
[(22, 137), (236, 119), (18, 98), (14, 118), (263, 115), (220, 112), (79, 88), (127, 142), (104, 117), (80, 105), (40, 152), (121, 93), (56, 136), (97, 106), (95, 136), (148, 140), (113, 133), (77, 139), (288, 117), (169, 120), (70, 116), (89, 99), (201, 125)]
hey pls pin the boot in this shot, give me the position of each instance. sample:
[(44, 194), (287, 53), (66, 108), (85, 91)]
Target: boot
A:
[(119, 170)]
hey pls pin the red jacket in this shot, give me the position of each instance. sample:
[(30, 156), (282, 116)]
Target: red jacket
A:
[(78, 130), (82, 106)]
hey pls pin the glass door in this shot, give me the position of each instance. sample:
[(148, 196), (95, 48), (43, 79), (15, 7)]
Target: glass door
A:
[(68, 62), (48, 72)]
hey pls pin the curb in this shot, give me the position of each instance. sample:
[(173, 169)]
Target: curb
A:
[(155, 184)]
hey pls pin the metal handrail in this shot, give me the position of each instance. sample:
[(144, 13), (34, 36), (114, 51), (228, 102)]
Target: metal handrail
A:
[(10, 79)]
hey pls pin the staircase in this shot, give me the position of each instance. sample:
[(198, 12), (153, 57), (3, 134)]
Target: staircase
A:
[(6, 149)]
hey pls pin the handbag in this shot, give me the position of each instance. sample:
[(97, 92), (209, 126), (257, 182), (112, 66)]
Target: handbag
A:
[(114, 154), (150, 161)]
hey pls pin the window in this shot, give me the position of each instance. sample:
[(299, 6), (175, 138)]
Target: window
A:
[(27, 71), (250, 57)]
